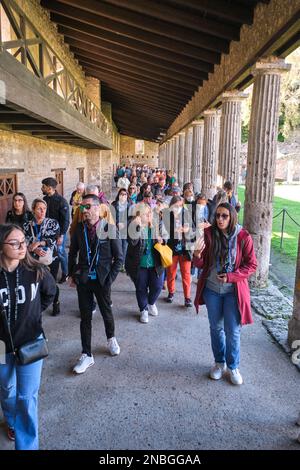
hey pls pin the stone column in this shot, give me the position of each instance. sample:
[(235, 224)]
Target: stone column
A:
[(93, 91), (230, 137), (176, 155), (188, 154), (294, 323), (168, 152), (181, 158), (171, 154), (210, 152), (197, 153), (261, 162), (162, 163)]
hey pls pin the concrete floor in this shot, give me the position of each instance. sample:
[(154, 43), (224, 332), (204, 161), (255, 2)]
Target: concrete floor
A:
[(157, 394)]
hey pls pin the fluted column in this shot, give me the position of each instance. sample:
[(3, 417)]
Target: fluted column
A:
[(172, 144), (197, 153), (168, 148), (230, 136), (210, 152), (294, 323), (176, 155), (261, 162), (188, 154), (181, 158)]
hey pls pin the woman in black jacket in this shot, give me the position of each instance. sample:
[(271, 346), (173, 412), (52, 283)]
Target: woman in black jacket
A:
[(143, 263), (27, 288), (19, 213)]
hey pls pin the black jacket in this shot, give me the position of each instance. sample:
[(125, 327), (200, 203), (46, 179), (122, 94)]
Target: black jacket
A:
[(34, 297), (110, 255), (20, 220), (58, 209)]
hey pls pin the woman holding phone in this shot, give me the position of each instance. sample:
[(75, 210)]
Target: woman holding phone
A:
[(227, 257)]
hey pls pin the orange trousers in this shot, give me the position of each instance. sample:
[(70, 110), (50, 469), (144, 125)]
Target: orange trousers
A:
[(185, 269)]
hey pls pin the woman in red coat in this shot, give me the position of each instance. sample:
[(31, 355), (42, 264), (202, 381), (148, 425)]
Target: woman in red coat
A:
[(227, 257)]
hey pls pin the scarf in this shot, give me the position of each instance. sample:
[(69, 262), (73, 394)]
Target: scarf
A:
[(225, 249)]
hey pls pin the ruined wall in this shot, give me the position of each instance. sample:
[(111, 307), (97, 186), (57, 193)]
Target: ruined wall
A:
[(128, 155), (33, 159)]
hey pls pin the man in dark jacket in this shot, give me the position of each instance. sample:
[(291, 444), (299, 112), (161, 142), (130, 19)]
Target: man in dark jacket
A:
[(100, 260), (58, 209)]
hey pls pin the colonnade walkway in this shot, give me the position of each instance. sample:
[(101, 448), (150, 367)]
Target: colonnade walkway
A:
[(157, 394)]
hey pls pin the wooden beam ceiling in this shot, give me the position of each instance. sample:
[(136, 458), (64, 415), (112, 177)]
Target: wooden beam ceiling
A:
[(150, 57)]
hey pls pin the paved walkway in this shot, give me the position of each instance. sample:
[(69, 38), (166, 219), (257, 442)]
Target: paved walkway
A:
[(157, 394)]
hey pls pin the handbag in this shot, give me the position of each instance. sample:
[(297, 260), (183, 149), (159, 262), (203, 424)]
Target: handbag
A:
[(48, 258), (30, 352), (166, 254)]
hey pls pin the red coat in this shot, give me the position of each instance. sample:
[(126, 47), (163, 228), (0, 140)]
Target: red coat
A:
[(245, 265)]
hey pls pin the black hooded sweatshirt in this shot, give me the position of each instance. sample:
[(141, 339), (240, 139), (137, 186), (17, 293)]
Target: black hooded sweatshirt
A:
[(34, 296)]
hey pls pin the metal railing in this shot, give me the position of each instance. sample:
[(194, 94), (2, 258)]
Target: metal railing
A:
[(20, 38), (284, 212)]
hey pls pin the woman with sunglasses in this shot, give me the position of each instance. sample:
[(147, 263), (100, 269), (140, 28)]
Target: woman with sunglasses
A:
[(27, 288), (19, 213), (227, 257)]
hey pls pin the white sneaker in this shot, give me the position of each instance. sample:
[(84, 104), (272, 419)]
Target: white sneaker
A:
[(217, 370), (83, 364), (113, 346), (235, 377), (152, 309), (144, 316), (94, 311)]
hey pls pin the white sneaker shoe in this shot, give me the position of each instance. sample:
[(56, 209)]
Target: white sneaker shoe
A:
[(94, 311), (152, 309), (217, 370), (144, 316), (235, 377), (83, 364), (113, 346)]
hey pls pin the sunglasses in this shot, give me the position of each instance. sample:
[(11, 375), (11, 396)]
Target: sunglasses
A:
[(222, 216), (86, 206)]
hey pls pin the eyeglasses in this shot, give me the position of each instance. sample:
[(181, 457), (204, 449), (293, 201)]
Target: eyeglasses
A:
[(86, 206), (16, 245), (222, 216), (18, 200)]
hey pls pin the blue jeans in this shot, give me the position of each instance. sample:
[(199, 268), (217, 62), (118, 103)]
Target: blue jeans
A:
[(62, 255), (148, 286), (19, 388), (224, 320)]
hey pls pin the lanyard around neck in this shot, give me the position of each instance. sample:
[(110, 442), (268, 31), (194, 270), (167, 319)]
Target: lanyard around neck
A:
[(89, 251)]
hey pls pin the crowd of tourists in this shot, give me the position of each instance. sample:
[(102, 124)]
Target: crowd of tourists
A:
[(150, 228)]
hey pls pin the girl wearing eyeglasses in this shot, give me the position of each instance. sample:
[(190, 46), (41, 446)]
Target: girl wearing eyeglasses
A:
[(19, 213), (227, 257), (27, 288)]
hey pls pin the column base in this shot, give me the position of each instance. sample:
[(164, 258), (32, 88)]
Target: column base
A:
[(294, 330)]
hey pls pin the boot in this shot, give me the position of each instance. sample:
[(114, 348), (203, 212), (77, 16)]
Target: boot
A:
[(56, 309)]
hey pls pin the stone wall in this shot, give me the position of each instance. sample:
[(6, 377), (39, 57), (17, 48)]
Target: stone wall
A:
[(128, 155), (33, 159)]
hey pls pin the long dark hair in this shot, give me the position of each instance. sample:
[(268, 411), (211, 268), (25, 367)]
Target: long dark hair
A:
[(25, 207), (28, 262), (219, 246), (121, 190)]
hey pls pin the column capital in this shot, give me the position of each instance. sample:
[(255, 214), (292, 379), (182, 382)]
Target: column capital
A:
[(210, 112), (270, 65), (198, 122), (181, 133), (234, 95)]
